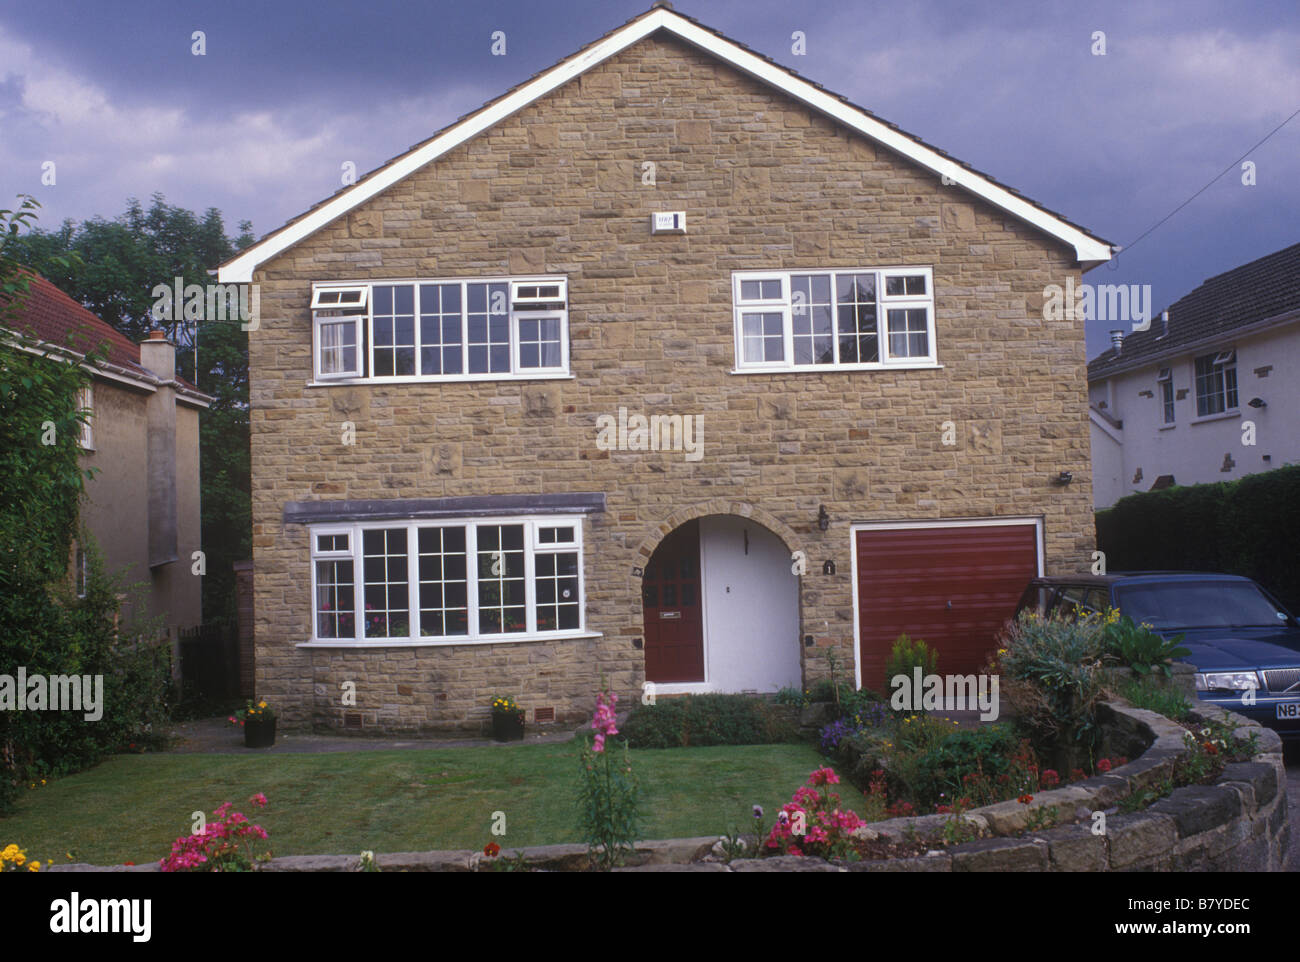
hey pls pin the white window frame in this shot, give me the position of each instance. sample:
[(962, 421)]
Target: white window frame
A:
[(532, 547), (86, 402), (1168, 409), (1223, 362), (331, 314), (884, 303), (365, 331)]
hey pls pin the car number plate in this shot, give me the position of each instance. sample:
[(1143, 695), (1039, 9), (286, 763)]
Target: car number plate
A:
[(1290, 709)]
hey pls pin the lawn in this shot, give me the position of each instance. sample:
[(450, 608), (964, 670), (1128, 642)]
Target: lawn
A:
[(131, 807)]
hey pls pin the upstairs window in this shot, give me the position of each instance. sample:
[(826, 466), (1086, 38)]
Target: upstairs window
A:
[(1166, 381), (833, 319), (441, 330), (1216, 383)]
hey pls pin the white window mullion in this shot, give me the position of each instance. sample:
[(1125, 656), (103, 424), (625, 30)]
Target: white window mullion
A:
[(530, 574), (471, 579), (413, 581), (358, 586), (418, 366), (464, 335)]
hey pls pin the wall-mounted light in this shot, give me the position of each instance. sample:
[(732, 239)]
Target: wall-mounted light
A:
[(1064, 478), (1257, 402), (807, 641), (823, 519)]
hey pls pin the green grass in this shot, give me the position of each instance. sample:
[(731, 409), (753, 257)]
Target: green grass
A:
[(131, 807)]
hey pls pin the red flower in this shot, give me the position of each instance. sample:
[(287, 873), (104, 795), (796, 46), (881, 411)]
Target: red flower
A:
[(1103, 765), (1025, 799), (1210, 749), (128, 863), (491, 849)]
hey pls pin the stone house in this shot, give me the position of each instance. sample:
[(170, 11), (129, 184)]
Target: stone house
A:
[(1210, 391), (667, 366), (142, 505)]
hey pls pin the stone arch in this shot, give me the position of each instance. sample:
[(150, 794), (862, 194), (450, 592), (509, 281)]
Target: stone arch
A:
[(657, 532)]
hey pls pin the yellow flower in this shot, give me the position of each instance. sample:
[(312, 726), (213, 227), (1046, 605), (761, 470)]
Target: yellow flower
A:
[(34, 867), (261, 704)]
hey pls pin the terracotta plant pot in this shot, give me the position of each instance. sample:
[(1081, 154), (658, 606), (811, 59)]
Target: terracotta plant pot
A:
[(508, 726), (259, 734)]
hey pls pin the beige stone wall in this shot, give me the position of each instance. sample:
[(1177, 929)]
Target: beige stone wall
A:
[(557, 188), (116, 507)]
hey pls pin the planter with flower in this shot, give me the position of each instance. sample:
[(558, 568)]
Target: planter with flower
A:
[(257, 718), (507, 719)]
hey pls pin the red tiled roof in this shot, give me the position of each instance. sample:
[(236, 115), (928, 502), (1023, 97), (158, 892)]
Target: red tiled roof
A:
[(52, 316)]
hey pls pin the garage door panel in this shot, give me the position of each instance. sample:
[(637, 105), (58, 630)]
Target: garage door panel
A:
[(951, 587)]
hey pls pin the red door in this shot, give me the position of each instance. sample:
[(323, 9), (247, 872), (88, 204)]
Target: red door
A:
[(670, 595), (951, 587)]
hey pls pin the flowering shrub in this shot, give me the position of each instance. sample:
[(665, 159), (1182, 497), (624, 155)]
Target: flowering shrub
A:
[(812, 822), (869, 716), (608, 792), (224, 845)]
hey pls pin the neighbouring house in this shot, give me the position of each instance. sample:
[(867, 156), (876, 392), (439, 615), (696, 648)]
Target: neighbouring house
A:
[(666, 366), (1210, 392), (142, 505)]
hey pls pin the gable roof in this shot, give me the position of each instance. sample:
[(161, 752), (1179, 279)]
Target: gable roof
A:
[(1257, 295), (1089, 249), (54, 318)]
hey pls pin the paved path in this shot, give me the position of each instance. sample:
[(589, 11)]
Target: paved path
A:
[(216, 736)]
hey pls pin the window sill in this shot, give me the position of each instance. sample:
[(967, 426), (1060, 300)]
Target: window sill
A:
[(1226, 415), (1167, 427), (457, 379), (449, 643), (840, 368)]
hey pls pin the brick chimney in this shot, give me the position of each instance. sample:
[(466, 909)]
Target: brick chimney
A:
[(158, 357)]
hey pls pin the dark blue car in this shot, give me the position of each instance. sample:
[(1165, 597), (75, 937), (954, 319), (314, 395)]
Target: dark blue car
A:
[(1239, 637)]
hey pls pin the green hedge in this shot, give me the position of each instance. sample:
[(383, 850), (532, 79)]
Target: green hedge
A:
[(1248, 527), (709, 720)]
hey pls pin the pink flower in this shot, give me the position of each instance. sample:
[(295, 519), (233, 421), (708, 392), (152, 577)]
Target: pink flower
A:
[(823, 776), (259, 800), (598, 743), (1103, 765)]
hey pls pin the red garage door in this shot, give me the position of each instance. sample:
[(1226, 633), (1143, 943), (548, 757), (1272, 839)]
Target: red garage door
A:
[(950, 586)]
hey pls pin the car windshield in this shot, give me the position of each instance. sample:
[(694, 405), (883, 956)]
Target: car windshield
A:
[(1198, 604)]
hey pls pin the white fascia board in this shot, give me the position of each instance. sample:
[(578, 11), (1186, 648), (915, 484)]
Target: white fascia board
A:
[(1087, 249)]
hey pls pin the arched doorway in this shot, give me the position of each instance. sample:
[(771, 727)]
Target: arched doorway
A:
[(721, 609)]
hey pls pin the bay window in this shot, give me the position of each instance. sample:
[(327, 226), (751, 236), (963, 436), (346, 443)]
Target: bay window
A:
[(447, 581)]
